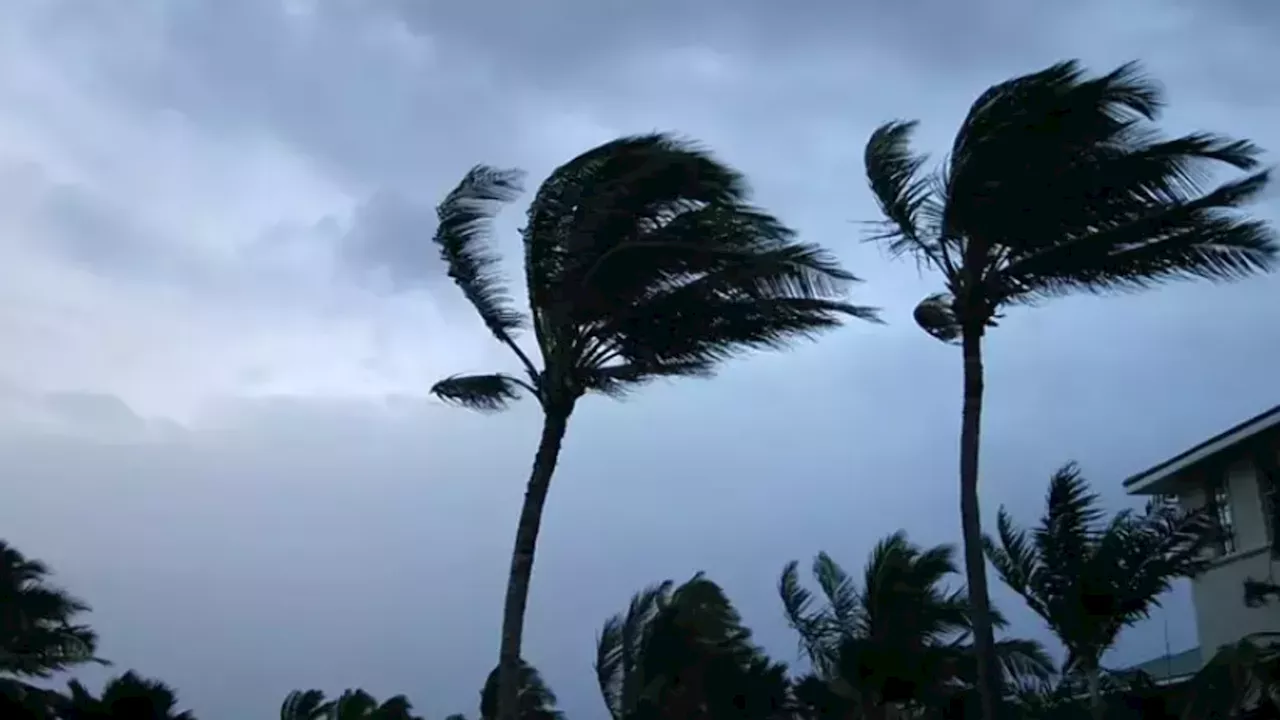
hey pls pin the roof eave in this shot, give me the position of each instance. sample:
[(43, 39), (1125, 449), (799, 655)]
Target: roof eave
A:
[(1155, 480)]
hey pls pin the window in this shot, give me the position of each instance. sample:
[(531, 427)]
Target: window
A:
[(1219, 500), (1268, 479)]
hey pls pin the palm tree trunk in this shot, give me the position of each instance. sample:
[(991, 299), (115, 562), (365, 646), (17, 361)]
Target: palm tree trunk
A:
[(1096, 708), (554, 423), (971, 524)]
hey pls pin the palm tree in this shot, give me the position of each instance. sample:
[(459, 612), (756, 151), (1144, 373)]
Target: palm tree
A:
[(535, 699), (127, 697), (350, 705), (900, 639), (643, 260), (682, 653), (38, 635), (1088, 577), (1057, 182)]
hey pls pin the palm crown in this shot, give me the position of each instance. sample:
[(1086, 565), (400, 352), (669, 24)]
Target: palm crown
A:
[(900, 636), (642, 259), (1088, 577), (1056, 183), (38, 635), (683, 652)]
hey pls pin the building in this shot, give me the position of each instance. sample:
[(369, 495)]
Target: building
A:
[(1234, 473)]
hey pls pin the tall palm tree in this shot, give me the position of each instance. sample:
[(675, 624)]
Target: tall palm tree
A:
[(643, 260), (682, 653), (127, 697), (38, 632), (1089, 577), (1057, 182), (901, 639)]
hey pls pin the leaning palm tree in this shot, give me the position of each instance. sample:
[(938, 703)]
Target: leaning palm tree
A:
[(1089, 577), (643, 260), (900, 640), (38, 632), (1057, 182), (682, 653)]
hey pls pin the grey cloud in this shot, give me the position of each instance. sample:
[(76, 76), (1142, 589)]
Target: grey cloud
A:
[(84, 227), (826, 448), (390, 239)]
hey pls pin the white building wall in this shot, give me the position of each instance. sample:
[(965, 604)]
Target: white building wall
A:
[(1218, 594)]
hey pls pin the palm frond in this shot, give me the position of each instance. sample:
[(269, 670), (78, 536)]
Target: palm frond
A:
[(304, 705), (843, 601), (1059, 182), (1017, 561), (904, 194), (617, 381), (619, 667), (463, 236), (485, 393), (809, 624)]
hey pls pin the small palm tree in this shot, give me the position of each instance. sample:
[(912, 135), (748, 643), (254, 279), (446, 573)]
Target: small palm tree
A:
[(899, 640), (1057, 182), (38, 635), (127, 697), (350, 705), (1088, 577), (535, 699), (305, 705), (643, 260), (682, 653)]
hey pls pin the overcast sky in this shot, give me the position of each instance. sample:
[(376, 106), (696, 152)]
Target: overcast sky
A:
[(220, 313)]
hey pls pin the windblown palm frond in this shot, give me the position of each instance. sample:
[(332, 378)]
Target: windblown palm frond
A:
[(305, 705), (486, 393), (1089, 577), (37, 634), (463, 236)]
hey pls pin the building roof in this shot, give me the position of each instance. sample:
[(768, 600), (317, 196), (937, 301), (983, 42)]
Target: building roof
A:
[(1170, 668), (1146, 482)]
